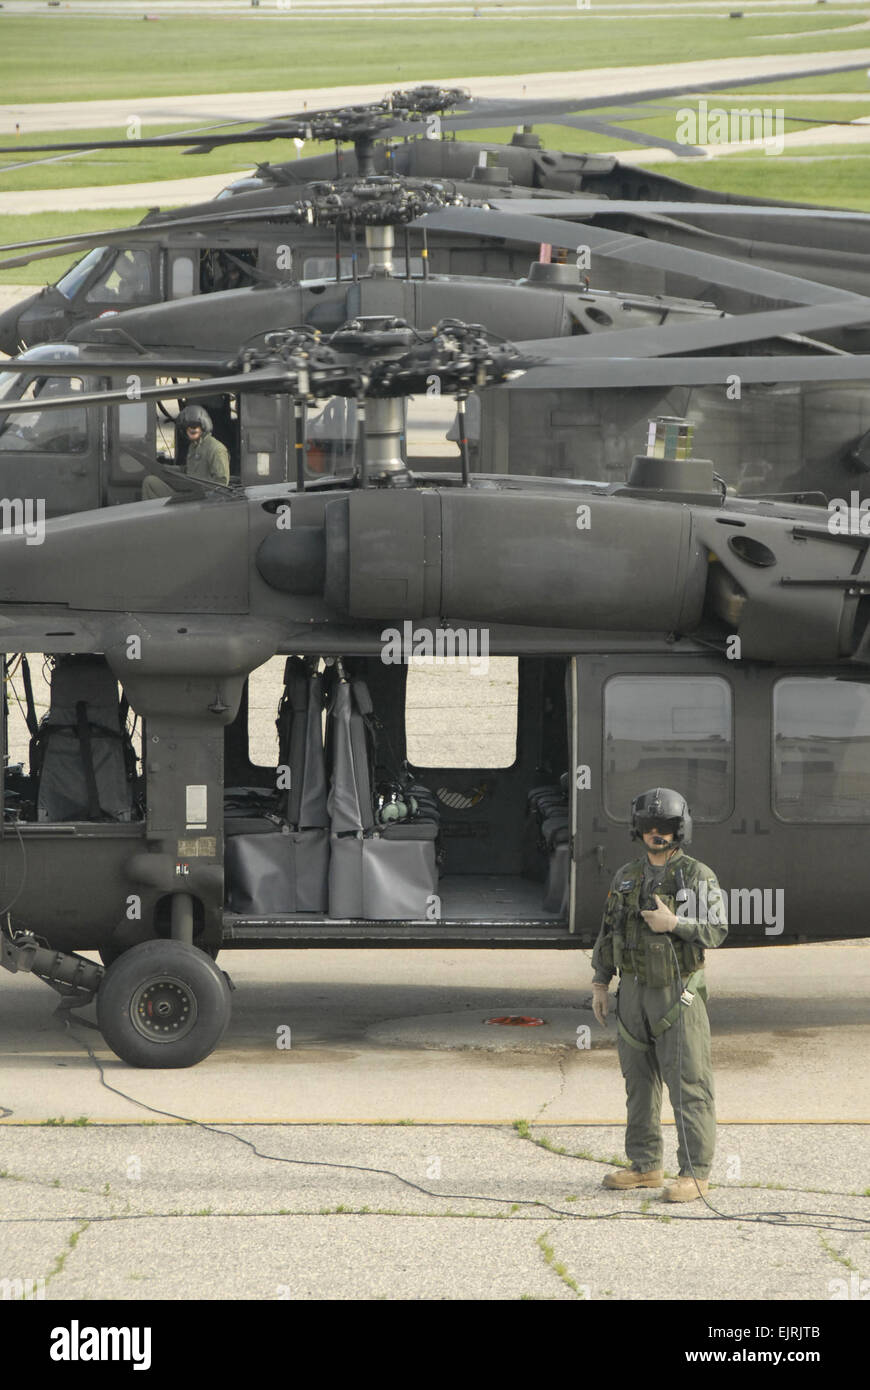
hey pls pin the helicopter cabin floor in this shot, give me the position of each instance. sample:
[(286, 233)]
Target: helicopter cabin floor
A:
[(475, 909)]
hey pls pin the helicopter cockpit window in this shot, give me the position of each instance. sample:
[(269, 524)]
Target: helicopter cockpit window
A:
[(128, 278), (225, 269), (47, 431), (182, 277), (669, 731), (821, 749), (70, 284)]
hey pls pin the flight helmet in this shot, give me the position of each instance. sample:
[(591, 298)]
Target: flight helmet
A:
[(664, 808), (193, 415)]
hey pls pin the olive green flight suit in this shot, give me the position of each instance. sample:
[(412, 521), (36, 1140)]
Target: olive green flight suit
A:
[(207, 459), (658, 1035)]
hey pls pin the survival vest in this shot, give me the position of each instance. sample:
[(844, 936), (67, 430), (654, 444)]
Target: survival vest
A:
[(632, 947)]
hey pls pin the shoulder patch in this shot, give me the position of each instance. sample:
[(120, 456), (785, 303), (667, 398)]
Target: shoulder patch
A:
[(625, 885)]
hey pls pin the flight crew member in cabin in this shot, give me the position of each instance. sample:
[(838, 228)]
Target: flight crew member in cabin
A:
[(207, 458), (661, 905)]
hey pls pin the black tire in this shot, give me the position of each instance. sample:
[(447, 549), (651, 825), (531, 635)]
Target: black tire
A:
[(109, 954), (163, 1004)]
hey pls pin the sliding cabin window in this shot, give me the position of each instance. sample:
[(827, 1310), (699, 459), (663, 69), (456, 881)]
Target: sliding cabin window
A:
[(669, 731), (821, 749)]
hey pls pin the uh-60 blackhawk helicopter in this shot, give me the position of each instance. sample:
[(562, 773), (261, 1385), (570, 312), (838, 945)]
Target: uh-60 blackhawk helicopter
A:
[(236, 241), (770, 432), (663, 632)]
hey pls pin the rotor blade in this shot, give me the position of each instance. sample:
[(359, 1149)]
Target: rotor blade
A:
[(707, 333), (89, 366), (147, 231), (154, 142), (490, 111), (627, 373), (701, 265), (266, 377), (677, 90), (631, 135), (591, 207)]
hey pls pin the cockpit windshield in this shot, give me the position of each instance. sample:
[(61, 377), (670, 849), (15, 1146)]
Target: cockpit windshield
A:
[(42, 431), (126, 279), (70, 284)]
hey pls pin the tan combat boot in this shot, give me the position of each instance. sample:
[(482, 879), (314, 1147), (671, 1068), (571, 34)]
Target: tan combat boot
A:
[(630, 1177), (686, 1189)]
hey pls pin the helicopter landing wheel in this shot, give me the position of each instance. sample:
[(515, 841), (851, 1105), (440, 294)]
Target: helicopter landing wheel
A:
[(109, 954), (163, 1004)]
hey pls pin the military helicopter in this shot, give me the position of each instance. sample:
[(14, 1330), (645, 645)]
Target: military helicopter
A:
[(202, 249), (91, 458), (663, 632)]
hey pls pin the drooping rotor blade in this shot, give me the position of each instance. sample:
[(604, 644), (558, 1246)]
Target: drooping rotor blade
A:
[(265, 378), (90, 366), (156, 142), (630, 373), (630, 134), (84, 148), (707, 333), (64, 245), (701, 265)]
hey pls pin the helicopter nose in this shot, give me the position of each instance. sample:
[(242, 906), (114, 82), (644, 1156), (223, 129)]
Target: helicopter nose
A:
[(9, 336)]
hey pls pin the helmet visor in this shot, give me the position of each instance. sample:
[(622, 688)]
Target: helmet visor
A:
[(662, 824)]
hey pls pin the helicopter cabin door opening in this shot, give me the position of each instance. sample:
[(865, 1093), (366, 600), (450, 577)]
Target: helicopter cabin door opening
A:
[(424, 792)]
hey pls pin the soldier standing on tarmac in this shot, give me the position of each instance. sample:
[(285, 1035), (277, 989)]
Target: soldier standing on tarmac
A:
[(661, 1014)]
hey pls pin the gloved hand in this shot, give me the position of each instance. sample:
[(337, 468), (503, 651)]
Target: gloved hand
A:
[(600, 1002), (660, 918)]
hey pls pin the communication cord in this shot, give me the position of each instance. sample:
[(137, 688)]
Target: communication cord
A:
[(768, 1218)]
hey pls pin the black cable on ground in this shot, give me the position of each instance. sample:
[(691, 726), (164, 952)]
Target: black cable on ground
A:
[(767, 1218)]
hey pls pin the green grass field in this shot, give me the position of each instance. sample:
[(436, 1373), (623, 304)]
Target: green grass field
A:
[(46, 58), (106, 167), (54, 58)]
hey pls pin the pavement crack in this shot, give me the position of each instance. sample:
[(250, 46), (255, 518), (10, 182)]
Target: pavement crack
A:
[(557, 1267), (72, 1242), (562, 1081)]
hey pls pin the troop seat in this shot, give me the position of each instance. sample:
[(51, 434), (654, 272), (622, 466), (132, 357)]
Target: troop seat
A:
[(277, 842), (82, 760), (550, 808), (382, 860)]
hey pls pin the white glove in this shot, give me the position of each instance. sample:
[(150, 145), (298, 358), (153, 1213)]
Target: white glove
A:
[(600, 1001)]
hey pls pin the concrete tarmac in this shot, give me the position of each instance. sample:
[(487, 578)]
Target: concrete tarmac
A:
[(386, 1155), (396, 1035)]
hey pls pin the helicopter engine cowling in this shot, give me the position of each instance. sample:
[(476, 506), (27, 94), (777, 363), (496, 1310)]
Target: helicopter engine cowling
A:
[(501, 556)]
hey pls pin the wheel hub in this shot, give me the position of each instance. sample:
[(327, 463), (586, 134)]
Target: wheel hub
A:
[(163, 1009)]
